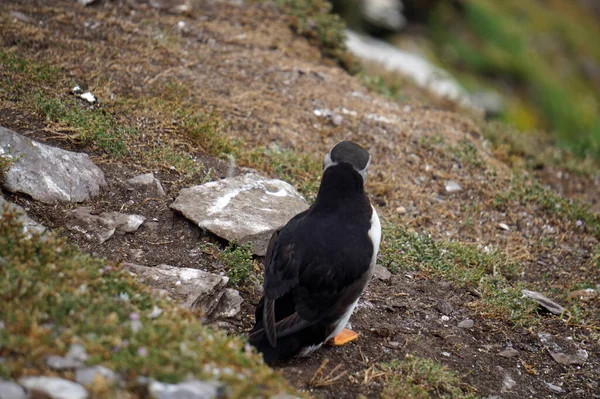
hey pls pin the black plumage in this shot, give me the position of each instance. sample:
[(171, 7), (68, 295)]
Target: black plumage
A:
[(320, 262)]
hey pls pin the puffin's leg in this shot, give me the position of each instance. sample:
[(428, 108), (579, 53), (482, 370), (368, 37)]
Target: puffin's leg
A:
[(345, 336)]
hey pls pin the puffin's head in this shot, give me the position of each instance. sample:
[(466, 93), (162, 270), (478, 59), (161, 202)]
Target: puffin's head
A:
[(348, 152)]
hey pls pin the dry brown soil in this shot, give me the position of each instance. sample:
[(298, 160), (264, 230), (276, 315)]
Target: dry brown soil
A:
[(264, 83)]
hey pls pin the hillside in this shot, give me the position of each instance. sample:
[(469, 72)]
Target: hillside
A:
[(181, 94)]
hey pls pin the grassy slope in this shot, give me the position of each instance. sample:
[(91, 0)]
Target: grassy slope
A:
[(534, 53), (491, 273)]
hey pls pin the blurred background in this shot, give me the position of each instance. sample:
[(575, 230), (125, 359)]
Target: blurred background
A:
[(534, 64)]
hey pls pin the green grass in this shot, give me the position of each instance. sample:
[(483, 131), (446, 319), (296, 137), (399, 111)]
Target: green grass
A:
[(314, 20), (93, 126), (300, 170), (492, 273), (534, 49), (52, 295), (242, 270), (421, 378)]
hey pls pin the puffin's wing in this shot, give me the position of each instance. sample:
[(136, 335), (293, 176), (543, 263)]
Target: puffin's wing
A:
[(291, 324), (281, 275)]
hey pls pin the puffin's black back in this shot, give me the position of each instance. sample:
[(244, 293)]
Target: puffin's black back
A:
[(313, 261)]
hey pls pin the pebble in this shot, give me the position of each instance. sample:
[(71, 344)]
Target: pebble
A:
[(382, 273), (466, 323), (452, 187), (401, 210), (504, 226), (447, 354), (444, 307), (54, 387), (337, 119), (10, 390), (554, 388)]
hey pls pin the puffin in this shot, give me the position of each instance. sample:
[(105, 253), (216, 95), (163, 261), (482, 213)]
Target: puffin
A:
[(318, 265)]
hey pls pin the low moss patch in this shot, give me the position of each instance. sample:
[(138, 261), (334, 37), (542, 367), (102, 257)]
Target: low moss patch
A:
[(52, 295)]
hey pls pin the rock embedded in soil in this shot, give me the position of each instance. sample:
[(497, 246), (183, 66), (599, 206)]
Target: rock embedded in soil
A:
[(30, 226), (444, 307), (103, 226), (545, 302), (193, 389), (579, 358), (147, 182), (53, 388), (509, 352), (453, 187), (554, 388), (466, 323), (48, 174), (382, 273), (229, 305), (11, 390), (195, 288), (242, 209)]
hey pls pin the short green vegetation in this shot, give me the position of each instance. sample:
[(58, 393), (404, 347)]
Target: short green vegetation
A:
[(490, 273), (52, 296), (421, 378), (242, 269), (540, 51)]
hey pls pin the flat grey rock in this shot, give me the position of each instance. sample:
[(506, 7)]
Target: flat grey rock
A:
[(30, 226), (86, 376), (103, 226), (185, 390), (509, 352), (242, 209), (48, 174), (54, 387), (544, 302), (11, 390), (148, 183), (195, 288)]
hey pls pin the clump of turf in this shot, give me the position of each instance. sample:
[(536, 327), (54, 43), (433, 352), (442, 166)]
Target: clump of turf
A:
[(52, 295)]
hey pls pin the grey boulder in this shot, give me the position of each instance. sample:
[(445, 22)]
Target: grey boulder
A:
[(242, 209), (195, 288), (48, 174)]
